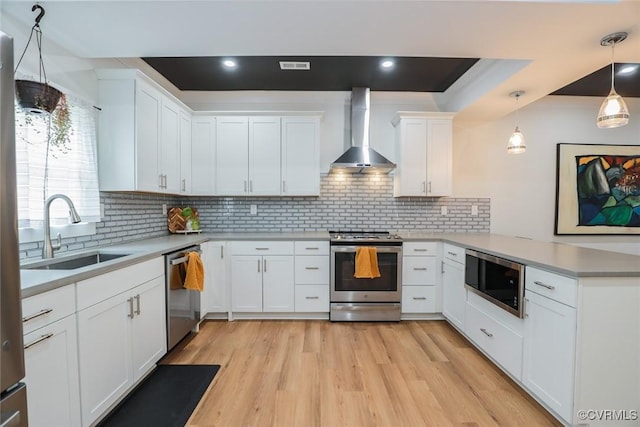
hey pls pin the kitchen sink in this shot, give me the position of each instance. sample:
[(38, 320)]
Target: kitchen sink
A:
[(73, 262)]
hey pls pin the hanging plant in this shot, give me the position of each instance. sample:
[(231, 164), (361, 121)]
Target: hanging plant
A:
[(40, 100)]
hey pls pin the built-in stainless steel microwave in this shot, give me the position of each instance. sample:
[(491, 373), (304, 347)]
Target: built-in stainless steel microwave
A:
[(498, 280)]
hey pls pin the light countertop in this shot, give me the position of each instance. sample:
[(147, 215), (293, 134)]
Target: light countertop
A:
[(560, 258)]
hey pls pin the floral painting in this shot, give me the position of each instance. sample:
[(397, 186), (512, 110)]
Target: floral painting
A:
[(598, 189)]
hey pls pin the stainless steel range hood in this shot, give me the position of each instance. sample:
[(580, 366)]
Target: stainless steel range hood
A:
[(360, 158)]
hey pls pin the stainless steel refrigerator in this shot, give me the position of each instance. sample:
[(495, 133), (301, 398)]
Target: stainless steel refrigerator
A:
[(13, 397)]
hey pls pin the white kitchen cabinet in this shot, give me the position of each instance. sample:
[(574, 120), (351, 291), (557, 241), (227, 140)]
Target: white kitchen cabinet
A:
[(186, 169), (232, 154), (203, 155), (420, 285), (423, 154), (121, 333), (262, 276), (300, 156), (312, 276), (264, 156), (549, 351), (454, 294), (214, 298), (139, 134), (51, 360)]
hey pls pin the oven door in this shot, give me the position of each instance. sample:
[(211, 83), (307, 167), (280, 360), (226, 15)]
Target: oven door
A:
[(346, 288)]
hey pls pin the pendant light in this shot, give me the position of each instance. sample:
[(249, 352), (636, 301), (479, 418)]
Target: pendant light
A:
[(517, 144), (613, 111)]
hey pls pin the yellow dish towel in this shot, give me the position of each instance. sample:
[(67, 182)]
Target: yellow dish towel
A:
[(366, 263), (194, 279)]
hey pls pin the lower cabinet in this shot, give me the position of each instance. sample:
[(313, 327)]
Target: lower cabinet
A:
[(454, 295), (419, 299), (51, 366), (214, 298), (312, 276), (119, 341), (549, 352)]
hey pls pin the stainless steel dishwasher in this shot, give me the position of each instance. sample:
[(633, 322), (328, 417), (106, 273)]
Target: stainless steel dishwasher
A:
[(183, 305)]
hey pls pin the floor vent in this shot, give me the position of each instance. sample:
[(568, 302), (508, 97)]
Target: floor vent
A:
[(293, 65)]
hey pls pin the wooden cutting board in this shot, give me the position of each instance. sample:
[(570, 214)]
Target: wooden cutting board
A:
[(176, 222)]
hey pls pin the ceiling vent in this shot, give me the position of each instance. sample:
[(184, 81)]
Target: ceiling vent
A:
[(295, 65)]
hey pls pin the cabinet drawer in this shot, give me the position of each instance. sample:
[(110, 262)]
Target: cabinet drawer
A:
[(100, 288), (559, 288), (43, 309), (419, 299), (454, 253), (420, 248), (311, 248), (261, 248), (312, 298), (418, 271), (312, 270), (498, 341)]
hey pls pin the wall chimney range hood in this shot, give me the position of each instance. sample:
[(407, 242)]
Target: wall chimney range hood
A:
[(360, 158)]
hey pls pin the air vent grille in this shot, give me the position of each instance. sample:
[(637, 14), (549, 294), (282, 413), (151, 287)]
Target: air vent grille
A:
[(295, 65)]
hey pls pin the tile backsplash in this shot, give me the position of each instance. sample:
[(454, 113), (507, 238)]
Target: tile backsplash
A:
[(346, 202)]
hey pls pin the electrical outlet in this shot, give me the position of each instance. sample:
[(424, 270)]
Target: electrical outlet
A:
[(101, 210), (254, 209), (443, 210), (164, 209), (474, 210)]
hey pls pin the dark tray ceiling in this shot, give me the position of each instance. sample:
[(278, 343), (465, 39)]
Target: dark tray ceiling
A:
[(327, 73), (598, 83)]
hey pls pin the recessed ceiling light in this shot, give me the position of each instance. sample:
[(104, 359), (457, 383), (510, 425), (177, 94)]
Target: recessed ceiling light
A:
[(629, 69), (387, 63), (229, 63)]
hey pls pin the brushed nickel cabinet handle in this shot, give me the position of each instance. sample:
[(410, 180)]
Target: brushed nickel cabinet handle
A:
[(130, 301), (452, 253), (138, 304), (184, 184), (39, 340), (419, 250), (544, 285), (262, 249), (484, 331), (312, 268), (420, 298), (312, 297), (420, 268), (264, 265), (250, 186), (424, 188), (429, 187), (312, 249), (284, 187), (221, 252), (258, 266), (36, 315), (245, 186)]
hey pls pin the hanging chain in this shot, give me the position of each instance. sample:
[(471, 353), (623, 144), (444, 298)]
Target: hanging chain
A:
[(38, 32)]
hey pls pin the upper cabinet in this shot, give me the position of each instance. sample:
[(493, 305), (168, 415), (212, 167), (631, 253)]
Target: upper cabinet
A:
[(423, 154), (143, 133), (203, 155), (267, 156)]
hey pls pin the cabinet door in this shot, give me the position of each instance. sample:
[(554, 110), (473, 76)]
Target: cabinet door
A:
[(549, 352), (454, 295), (104, 345), (264, 156), (246, 285), (185, 153), (170, 146), (214, 298), (277, 283), (300, 156), (411, 176), (148, 327), (203, 156), (51, 365), (232, 154), (148, 107), (439, 140)]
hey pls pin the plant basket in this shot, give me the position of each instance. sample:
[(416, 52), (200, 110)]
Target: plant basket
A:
[(37, 97)]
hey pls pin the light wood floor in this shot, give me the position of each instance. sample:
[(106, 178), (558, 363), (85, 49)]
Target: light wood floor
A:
[(317, 373)]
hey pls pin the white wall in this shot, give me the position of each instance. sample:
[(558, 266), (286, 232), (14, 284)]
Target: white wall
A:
[(522, 187)]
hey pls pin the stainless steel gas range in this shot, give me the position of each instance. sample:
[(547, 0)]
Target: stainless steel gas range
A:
[(358, 299)]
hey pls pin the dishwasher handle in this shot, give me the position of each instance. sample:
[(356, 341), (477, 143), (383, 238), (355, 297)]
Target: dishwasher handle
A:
[(184, 259)]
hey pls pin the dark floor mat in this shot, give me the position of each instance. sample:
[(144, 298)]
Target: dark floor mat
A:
[(165, 399)]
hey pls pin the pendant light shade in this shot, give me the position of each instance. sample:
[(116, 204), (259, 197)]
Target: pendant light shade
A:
[(517, 143), (613, 111)]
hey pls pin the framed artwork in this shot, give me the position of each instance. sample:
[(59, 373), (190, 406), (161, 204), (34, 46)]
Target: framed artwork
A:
[(597, 189)]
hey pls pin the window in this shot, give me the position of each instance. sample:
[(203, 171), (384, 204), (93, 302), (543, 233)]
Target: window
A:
[(46, 169)]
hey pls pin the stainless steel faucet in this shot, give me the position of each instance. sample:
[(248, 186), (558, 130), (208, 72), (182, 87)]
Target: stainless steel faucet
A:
[(47, 250)]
